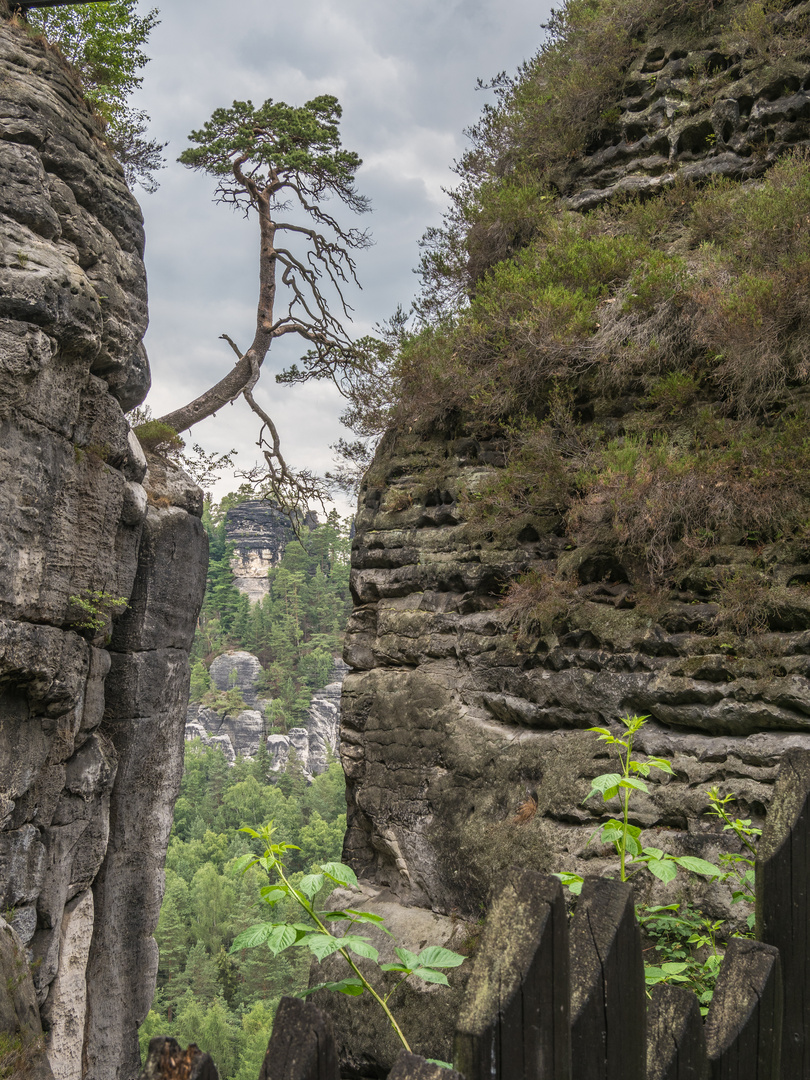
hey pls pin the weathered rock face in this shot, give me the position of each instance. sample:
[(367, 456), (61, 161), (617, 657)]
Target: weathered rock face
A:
[(449, 715), (259, 534), (91, 714), (452, 710), (694, 110), (241, 733), (237, 670)]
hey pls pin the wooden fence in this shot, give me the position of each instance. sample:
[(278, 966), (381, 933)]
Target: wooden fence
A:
[(551, 1001)]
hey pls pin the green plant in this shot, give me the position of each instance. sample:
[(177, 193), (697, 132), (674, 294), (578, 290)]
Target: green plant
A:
[(96, 607), (315, 934), (740, 866), (104, 44), (159, 438), (687, 944), (625, 837)]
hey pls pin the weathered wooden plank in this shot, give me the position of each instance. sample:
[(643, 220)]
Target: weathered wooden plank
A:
[(166, 1061), (744, 1025), (413, 1067), (608, 999), (676, 1044), (302, 1046), (782, 888), (513, 1023)]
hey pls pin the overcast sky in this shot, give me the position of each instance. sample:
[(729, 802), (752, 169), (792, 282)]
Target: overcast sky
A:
[(405, 73)]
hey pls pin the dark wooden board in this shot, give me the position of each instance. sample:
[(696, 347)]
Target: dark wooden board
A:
[(744, 1025), (608, 998), (676, 1044), (514, 1021), (783, 896), (302, 1046)]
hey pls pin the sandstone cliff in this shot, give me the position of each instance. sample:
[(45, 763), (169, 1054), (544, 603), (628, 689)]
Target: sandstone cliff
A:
[(259, 534), (508, 471), (240, 733), (91, 706)]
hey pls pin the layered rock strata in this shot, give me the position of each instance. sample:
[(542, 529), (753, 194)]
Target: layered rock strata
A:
[(450, 714), (241, 733), (696, 108), (259, 533), (91, 713)]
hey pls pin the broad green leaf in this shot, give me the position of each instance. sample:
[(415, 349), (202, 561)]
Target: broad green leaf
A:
[(612, 832), (431, 976), (353, 987), (573, 882), (655, 852), (634, 830), (604, 783), (634, 783), (632, 845), (394, 967), (601, 731), (698, 866), (253, 936), (343, 875), (408, 958), (359, 946), (364, 916), (441, 1064), (271, 894), (250, 832), (664, 870), (320, 945), (437, 957), (244, 862), (661, 763), (311, 884), (281, 938)]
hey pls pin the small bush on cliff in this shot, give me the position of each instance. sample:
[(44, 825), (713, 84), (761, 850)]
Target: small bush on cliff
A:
[(104, 44)]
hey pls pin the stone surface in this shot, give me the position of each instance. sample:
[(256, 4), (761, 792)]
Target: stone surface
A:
[(745, 108), (19, 1015), (64, 1010), (90, 729), (449, 714), (259, 533), (425, 1011), (237, 670), (240, 733)]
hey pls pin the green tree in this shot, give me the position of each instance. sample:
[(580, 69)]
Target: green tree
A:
[(219, 1038), (257, 1026), (104, 43), (200, 681), (264, 159), (199, 980), (172, 933), (211, 895), (322, 841)]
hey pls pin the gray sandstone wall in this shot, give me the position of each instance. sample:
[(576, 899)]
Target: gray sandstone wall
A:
[(91, 722), (451, 710)]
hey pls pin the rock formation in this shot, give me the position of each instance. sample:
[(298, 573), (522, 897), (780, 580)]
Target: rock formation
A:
[(92, 699), (259, 533), (453, 707), (240, 733)]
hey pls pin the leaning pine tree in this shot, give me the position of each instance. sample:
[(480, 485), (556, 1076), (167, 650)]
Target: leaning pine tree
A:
[(282, 163)]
